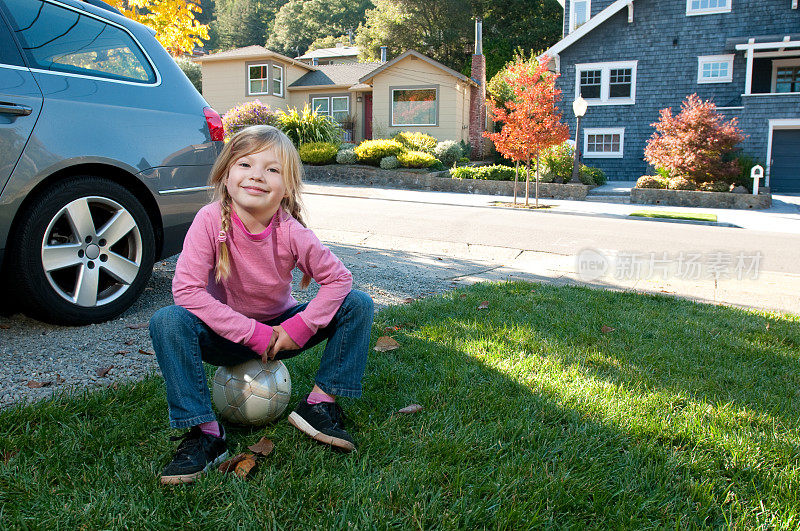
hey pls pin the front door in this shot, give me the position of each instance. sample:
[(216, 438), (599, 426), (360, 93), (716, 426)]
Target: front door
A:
[(368, 115), (784, 170)]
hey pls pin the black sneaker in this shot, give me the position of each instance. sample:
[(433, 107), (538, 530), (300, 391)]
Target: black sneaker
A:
[(322, 422), (197, 453)]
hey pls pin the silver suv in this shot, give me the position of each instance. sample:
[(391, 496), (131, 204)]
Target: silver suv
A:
[(105, 149)]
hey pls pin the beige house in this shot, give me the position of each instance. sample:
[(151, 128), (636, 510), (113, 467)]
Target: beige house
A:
[(412, 92)]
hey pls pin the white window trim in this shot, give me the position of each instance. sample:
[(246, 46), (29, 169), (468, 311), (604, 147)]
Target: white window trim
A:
[(706, 59), (314, 105), (775, 65), (603, 131), (330, 99), (271, 80), (694, 12), (572, 14), (250, 92), (436, 108), (345, 98), (605, 82)]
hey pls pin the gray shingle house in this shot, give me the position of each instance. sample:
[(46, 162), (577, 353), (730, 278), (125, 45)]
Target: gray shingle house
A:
[(631, 58)]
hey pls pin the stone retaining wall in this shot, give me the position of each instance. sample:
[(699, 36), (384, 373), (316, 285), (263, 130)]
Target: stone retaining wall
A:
[(411, 179), (689, 198)]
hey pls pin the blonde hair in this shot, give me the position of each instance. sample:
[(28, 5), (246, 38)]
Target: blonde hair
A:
[(251, 140)]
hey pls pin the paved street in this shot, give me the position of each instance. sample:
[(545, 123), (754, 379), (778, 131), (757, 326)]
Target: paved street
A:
[(754, 268)]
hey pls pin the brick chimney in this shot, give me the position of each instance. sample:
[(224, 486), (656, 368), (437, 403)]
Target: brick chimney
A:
[(477, 96)]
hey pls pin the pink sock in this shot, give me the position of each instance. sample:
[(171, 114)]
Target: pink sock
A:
[(316, 398), (211, 428)]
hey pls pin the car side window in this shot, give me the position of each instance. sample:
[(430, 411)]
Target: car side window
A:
[(59, 39), (9, 55)]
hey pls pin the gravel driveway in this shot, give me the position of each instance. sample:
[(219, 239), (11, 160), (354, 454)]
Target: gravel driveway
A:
[(38, 359)]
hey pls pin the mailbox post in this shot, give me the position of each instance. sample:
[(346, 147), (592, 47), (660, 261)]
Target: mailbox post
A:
[(756, 173)]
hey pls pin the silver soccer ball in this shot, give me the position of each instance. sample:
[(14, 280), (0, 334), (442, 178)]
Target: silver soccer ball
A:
[(253, 392)]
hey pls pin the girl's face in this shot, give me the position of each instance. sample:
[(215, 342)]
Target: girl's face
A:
[(255, 184)]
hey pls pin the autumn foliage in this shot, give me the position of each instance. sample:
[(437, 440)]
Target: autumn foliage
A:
[(693, 144), (531, 121), (174, 21)]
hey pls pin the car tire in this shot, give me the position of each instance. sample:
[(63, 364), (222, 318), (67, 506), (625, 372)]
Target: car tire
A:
[(83, 252)]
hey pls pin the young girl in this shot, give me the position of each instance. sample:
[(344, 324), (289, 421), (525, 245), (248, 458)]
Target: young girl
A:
[(232, 290)]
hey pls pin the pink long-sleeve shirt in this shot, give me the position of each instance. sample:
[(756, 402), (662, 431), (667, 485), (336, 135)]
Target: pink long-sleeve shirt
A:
[(259, 287)]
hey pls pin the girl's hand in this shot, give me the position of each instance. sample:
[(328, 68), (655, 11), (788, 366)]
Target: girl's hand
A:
[(282, 341), (265, 355)]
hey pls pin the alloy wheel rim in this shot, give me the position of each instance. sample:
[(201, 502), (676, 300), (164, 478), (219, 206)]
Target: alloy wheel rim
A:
[(91, 251)]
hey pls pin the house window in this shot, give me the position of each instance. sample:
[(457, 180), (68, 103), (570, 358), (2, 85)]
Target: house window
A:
[(707, 7), (414, 106), (259, 79), (603, 143), (786, 75), (277, 80), (606, 83), (337, 107), (579, 13), (715, 69)]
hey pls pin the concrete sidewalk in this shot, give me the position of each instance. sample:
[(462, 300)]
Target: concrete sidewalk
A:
[(783, 216)]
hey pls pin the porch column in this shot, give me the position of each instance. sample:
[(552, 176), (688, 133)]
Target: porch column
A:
[(748, 80)]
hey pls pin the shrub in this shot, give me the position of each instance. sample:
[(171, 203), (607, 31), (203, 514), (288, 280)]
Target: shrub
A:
[(390, 163), (372, 151), (592, 176), (416, 159), (745, 164), (558, 161), (466, 148), (347, 145), (317, 152), (416, 141), (437, 166), (448, 152), (694, 142), (463, 160), (192, 71), (495, 172), (681, 183), (649, 181), (245, 115), (715, 186), (309, 126), (346, 156)]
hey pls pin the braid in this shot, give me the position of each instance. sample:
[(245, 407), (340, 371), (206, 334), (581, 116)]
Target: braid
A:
[(224, 261)]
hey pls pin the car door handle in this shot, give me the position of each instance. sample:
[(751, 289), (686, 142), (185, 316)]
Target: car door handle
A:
[(11, 108)]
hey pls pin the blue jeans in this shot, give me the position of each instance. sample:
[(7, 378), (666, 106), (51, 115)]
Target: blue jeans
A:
[(182, 342)]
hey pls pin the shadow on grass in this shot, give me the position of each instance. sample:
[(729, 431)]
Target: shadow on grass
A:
[(517, 431)]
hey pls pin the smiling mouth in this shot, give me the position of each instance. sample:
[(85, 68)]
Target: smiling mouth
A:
[(255, 189)]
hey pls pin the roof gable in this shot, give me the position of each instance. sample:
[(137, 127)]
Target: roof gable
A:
[(250, 52), (367, 78), (590, 24)]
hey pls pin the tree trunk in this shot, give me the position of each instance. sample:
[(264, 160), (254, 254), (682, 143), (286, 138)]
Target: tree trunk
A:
[(537, 180), (516, 178), (527, 181)]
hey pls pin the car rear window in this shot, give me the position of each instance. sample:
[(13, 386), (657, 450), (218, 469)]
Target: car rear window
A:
[(63, 40)]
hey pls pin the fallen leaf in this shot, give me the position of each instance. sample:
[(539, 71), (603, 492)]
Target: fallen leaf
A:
[(606, 329), (359, 252), (5, 327), (137, 326), (462, 296), (388, 329), (122, 352), (407, 300), (230, 464), (245, 466), (263, 447), (146, 352), (148, 288), (8, 454), (483, 305), (59, 379), (103, 371), (412, 408), (33, 384), (373, 265), (385, 344), (130, 342), (438, 258), (767, 326)]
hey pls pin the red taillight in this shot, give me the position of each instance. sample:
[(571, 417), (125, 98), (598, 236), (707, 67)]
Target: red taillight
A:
[(214, 124)]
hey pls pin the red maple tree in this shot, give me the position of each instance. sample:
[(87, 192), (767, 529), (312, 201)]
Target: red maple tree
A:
[(531, 120), (692, 143)]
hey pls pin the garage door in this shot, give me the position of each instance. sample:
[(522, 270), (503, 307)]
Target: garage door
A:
[(785, 168)]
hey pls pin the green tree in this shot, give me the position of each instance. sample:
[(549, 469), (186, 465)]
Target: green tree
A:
[(299, 22), (241, 23)]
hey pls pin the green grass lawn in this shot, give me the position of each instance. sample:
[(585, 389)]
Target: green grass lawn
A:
[(684, 415), (700, 216)]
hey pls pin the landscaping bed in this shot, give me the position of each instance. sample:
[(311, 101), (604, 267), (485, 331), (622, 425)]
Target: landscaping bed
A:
[(439, 181), (693, 198)]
